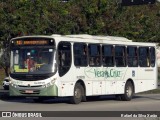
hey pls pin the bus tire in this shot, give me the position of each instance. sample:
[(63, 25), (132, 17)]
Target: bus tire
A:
[(84, 99), (128, 92), (77, 95)]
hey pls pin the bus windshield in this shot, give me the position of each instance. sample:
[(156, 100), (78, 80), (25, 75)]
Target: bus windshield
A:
[(32, 60)]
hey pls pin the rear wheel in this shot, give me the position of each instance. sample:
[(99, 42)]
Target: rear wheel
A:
[(128, 93), (84, 99), (78, 94)]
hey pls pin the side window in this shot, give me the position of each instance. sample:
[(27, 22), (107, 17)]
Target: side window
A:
[(132, 57), (80, 54), (64, 56), (108, 55), (94, 55), (152, 56), (144, 57), (120, 57)]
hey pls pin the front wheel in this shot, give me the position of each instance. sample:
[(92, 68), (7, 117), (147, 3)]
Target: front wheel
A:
[(128, 92), (78, 94)]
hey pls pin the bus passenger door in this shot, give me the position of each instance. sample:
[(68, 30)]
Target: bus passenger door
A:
[(64, 57)]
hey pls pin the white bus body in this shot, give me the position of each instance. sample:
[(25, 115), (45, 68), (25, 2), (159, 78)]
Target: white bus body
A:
[(79, 78)]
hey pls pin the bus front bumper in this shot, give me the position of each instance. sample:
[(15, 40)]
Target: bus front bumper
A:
[(32, 91)]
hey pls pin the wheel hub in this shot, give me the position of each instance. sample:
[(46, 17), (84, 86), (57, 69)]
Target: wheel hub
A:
[(129, 91), (77, 93)]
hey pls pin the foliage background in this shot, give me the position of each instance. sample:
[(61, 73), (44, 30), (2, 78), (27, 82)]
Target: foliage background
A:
[(95, 17)]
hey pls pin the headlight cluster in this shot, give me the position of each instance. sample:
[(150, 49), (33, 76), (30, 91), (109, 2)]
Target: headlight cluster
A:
[(14, 85), (52, 82)]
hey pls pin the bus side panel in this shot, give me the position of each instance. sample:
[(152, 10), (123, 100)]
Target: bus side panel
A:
[(111, 87), (120, 87), (67, 88), (147, 79), (144, 85), (99, 87), (88, 85)]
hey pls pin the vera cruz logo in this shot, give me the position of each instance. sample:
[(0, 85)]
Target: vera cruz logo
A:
[(105, 73)]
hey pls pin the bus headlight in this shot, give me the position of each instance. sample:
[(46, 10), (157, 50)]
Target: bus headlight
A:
[(48, 84), (13, 85), (44, 86)]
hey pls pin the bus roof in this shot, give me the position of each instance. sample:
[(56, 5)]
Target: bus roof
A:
[(93, 37), (90, 39)]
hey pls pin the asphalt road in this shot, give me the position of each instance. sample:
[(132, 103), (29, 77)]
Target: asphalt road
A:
[(141, 102), (108, 103)]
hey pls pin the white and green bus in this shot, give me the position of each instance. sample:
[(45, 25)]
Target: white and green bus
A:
[(79, 66)]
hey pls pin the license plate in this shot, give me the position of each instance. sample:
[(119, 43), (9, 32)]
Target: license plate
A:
[(28, 91)]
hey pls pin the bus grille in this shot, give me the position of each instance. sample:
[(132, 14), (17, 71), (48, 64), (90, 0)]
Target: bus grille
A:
[(30, 86)]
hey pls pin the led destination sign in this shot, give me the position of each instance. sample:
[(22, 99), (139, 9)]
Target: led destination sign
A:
[(32, 42)]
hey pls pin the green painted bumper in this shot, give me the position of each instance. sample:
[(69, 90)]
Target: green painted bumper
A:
[(48, 91)]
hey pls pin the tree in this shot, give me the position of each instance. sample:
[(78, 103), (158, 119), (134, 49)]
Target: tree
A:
[(95, 17), (4, 61)]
